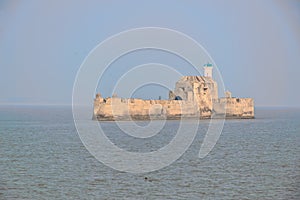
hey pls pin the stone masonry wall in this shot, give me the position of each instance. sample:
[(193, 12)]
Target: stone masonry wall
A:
[(138, 109), (236, 107)]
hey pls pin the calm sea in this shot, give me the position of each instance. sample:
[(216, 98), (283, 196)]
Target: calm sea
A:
[(42, 157)]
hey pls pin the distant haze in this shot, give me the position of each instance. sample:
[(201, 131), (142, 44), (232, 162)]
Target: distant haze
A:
[(256, 45)]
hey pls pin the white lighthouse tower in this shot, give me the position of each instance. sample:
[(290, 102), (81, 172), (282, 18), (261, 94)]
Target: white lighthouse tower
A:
[(208, 70)]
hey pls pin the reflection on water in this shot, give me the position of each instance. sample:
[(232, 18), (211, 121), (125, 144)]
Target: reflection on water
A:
[(42, 157)]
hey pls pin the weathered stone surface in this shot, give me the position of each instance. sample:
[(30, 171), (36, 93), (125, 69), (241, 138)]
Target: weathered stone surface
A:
[(193, 97)]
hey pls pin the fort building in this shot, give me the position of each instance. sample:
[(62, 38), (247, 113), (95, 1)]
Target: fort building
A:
[(193, 97)]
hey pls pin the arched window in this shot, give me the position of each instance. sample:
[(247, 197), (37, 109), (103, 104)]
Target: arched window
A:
[(178, 98)]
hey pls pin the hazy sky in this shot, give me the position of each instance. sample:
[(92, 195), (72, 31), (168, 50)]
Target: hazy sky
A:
[(256, 44)]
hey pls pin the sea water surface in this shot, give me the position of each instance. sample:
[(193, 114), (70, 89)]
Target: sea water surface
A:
[(42, 157)]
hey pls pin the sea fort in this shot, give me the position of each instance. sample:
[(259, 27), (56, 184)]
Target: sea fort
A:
[(193, 97)]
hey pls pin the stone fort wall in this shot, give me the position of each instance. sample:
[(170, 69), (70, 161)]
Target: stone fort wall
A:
[(137, 109), (193, 97)]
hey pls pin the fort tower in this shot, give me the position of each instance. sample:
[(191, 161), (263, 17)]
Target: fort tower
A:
[(208, 70)]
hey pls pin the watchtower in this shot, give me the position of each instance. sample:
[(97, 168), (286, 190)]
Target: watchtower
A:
[(208, 70)]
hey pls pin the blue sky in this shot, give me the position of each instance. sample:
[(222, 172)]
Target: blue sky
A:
[(256, 44)]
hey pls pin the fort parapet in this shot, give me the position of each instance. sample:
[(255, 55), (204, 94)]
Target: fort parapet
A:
[(193, 97)]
